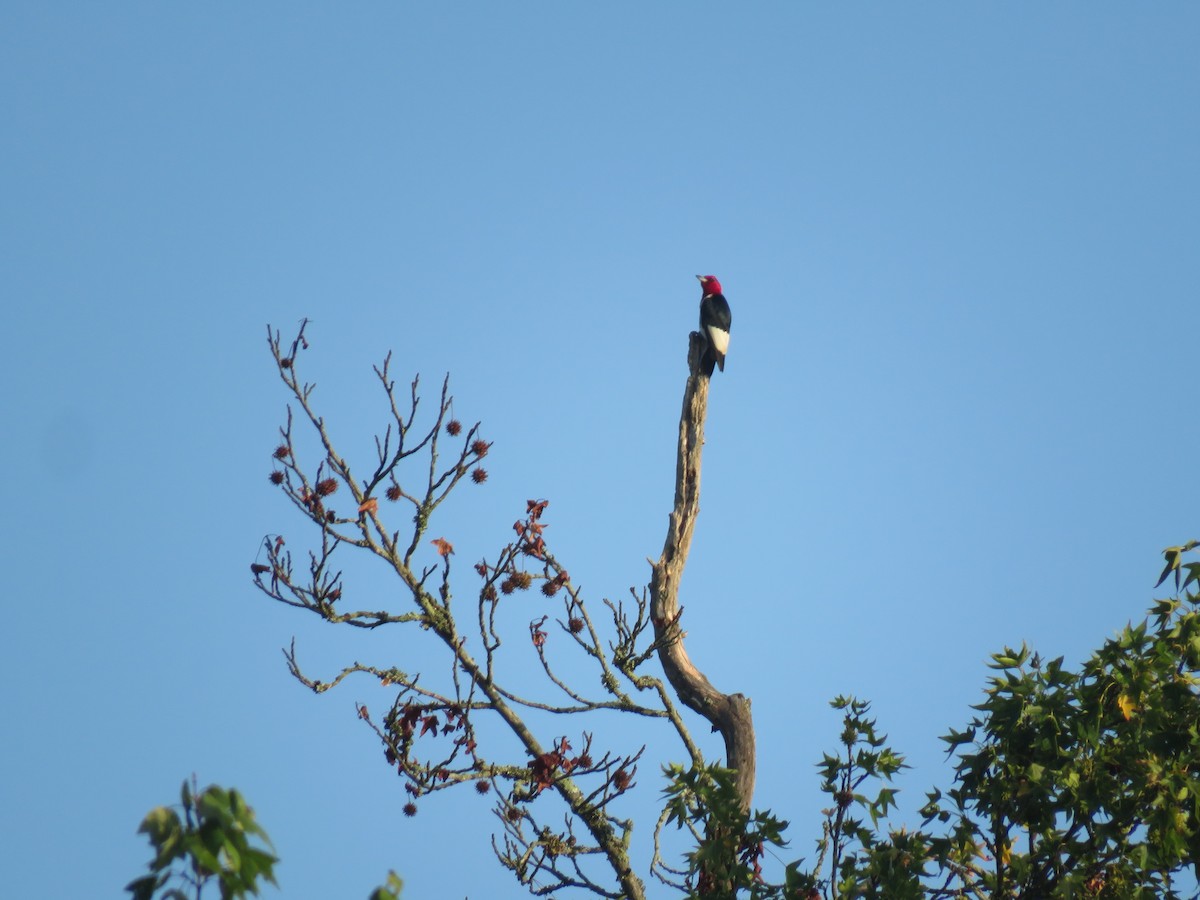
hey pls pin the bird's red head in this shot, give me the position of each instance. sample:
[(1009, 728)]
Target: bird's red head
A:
[(709, 284)]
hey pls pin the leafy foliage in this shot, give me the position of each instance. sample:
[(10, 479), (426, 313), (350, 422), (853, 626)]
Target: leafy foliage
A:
[(1068, 783), (729, 842), (856, 853), (210, 843)]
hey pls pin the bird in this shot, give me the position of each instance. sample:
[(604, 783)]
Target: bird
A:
[(715, 320)]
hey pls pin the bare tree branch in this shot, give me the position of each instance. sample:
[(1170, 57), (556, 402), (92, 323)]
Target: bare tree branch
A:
[(429, 735), (728, 713)]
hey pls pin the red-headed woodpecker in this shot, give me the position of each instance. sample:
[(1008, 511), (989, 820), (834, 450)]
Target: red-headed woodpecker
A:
[(715, 320)]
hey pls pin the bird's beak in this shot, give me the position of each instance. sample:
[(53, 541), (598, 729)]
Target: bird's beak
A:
[(700, 278)]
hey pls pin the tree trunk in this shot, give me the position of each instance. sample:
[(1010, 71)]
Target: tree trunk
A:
[(728, 713)]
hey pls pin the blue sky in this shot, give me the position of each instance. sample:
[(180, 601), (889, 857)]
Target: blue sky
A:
[(959, 240)]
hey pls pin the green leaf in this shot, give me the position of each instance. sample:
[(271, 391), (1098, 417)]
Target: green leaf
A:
[(143, 888), (258, 862), (1193, 574), (169, 850), (389, 891), (159, 824), (1171, 555), (957, 738), (202, 855), (232, 855)]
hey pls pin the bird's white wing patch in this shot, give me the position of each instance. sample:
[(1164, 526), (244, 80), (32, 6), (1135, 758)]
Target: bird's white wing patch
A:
[(719, 339)]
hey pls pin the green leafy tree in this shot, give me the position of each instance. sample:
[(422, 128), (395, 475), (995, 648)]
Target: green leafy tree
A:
[(1068, 782), (211, 843)]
